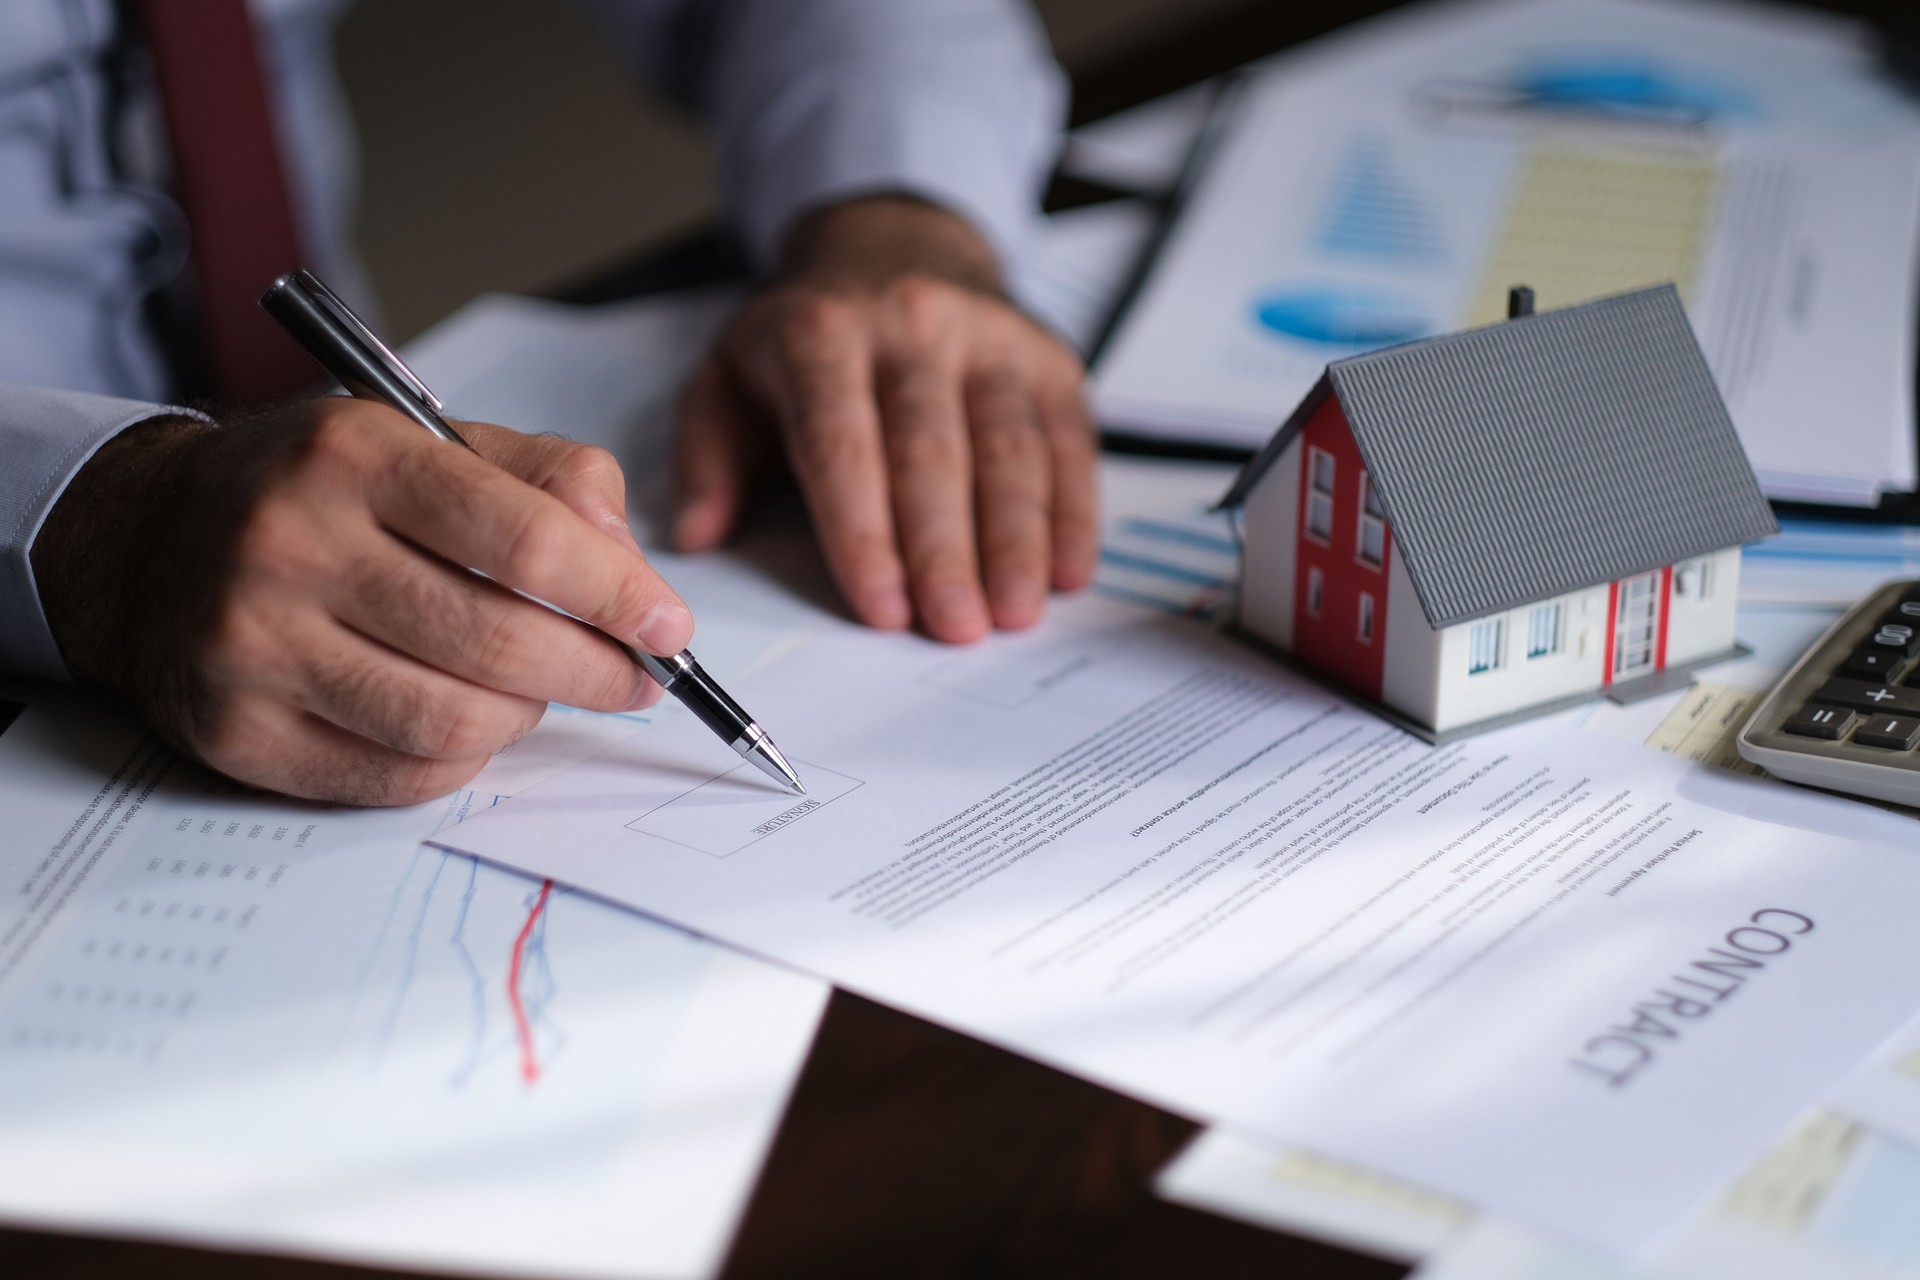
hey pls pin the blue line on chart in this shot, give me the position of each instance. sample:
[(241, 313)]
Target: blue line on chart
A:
[(412, 954), (1160, 568), (477, 1041), (379, 945), (1192, 609), (1179, 533), (1908, 556)]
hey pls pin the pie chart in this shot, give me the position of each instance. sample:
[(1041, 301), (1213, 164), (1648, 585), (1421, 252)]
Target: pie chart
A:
[(1340, 316)]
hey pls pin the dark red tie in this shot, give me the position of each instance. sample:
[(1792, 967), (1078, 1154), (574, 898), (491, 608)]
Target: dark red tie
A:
[(229, 181)]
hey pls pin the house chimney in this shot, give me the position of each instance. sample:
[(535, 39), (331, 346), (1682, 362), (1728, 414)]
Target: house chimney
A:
[(1519, 302)]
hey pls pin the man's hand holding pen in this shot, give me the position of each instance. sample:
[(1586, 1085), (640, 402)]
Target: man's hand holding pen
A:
[(283, 596)]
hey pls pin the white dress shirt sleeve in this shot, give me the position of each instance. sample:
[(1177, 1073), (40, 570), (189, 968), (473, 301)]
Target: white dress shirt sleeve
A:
[(814, 101), (45, 437)]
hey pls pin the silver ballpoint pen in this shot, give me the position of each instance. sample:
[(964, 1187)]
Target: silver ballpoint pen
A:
[(368, 368)]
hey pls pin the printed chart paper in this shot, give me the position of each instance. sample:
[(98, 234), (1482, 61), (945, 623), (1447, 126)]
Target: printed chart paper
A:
[(256, 1023), (1555, 977), (1392, 181)]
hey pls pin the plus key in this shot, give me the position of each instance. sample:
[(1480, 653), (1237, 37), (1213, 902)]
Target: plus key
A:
[(1866, 696)]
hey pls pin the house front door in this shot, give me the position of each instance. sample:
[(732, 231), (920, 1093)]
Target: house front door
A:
[(1636, 625)]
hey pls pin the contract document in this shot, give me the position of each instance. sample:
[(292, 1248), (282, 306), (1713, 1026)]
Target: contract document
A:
[(1561, 978)]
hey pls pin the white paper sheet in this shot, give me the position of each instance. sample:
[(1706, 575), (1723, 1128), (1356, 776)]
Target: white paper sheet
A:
[(242, 1021), (1127, 847), (1832, 1201), (1284, 1188), (1083, 259), (1885, 1092), (1143, 148), (605, 376), (1391, 182)]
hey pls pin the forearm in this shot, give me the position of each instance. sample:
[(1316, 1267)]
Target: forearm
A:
[(956, 102)]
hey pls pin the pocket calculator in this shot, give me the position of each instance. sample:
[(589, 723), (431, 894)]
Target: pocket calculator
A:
[(1847, 716)]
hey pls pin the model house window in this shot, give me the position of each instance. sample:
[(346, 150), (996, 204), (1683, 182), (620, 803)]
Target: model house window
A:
[(1313, 589), (1693, 579), (1544, 627), (1320, 494), (1483, 646), (1373, 524), (1365, 628)]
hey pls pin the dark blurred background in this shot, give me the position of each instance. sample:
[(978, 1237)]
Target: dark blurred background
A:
[(505, 148)]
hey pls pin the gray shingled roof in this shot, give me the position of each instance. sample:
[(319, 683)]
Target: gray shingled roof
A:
[(1545, 454)]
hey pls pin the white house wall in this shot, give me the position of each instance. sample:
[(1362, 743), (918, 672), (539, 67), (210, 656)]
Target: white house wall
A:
[(1271, 524), (1409, 674), (1699, 626), (1519, 682)]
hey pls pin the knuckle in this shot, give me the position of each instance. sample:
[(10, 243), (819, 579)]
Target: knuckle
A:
[(536, 551), (586, 466), (462, 729), (922, 302), (502, 649), (239, 642), (810, 321)]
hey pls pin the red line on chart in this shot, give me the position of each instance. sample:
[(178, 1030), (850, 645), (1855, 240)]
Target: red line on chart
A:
[(529, 1062)]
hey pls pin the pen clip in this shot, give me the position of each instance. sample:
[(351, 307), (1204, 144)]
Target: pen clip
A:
[(340, 311)]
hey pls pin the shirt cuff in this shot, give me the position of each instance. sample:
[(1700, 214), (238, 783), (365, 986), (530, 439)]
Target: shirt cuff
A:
[(882, 138), (46, 436)]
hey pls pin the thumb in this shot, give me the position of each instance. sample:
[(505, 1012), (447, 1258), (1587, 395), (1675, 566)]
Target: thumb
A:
[(585, 478), (713, 460)]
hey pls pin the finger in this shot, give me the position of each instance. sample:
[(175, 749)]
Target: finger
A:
[(467, 627), (280, 748), (476, 515), (818, 376), (1013, 496), (1075, 450), (587, 479), (713, 458), (931, 466), (386, 697)]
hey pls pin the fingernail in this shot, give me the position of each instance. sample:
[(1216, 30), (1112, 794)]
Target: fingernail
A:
[(666, 628), (954, 613), (1018, 600), (885, 608)]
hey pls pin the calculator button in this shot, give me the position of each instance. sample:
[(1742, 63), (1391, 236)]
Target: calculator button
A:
[(1897, 733), (1873, 664), (1865, 696), (1816, 721), (1894, 635)]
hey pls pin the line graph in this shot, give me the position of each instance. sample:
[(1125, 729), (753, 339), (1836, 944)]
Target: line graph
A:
[(536, 915), (457, 958)]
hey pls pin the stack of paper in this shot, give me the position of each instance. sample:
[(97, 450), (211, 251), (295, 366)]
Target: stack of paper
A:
[(1391, 182)]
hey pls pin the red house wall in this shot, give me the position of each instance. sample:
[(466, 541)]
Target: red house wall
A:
[(1330, 639)]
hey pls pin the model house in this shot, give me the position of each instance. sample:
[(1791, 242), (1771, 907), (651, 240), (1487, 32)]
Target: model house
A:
[(1482, 526)]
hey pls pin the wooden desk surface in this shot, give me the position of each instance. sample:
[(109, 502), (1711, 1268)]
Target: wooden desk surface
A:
[(909, 1150)]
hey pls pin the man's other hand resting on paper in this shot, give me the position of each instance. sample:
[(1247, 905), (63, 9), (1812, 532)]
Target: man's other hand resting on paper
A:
[(939, 436)]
